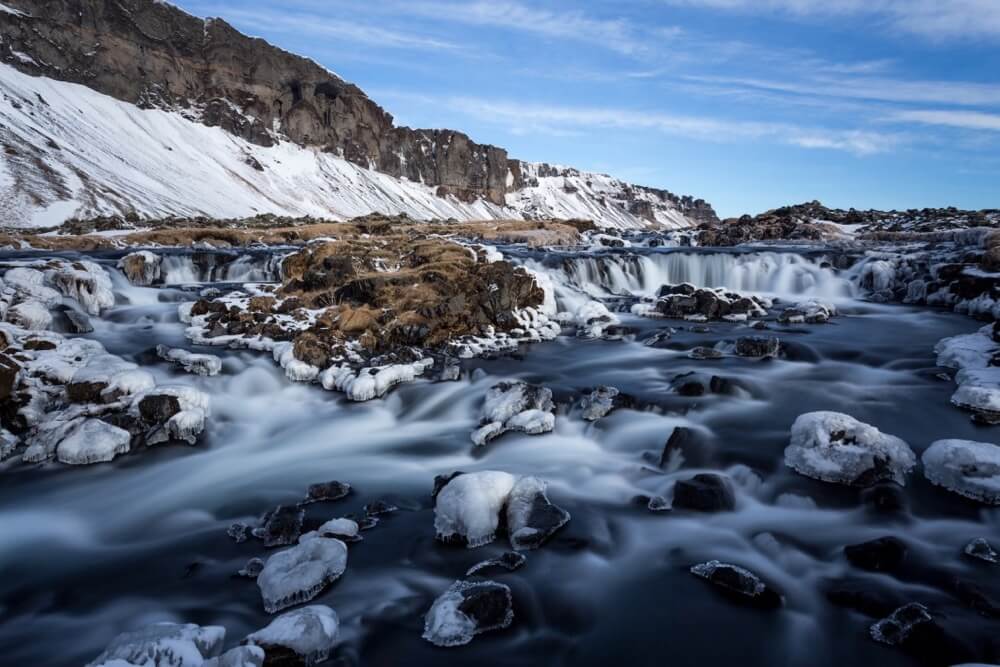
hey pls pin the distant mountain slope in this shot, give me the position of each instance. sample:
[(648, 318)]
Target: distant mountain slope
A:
[(166, 78)]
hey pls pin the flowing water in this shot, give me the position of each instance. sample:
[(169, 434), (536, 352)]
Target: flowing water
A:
[(88, 553)]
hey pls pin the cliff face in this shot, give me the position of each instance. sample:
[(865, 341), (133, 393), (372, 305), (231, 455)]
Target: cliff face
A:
[(152, 54)]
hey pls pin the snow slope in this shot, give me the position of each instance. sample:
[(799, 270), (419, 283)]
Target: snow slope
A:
[(69, 151)]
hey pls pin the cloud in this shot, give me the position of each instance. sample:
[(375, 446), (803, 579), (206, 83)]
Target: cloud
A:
[(325, 26), (970, 120), (522, 117), (935, 19)]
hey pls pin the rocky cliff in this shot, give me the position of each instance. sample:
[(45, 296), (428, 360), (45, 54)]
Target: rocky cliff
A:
[(154, 55)]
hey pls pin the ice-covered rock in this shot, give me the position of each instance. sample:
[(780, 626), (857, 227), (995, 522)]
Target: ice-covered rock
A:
[(28, 284), (811, 311), (30, 314), (298, 574), (370, 383), (240, 656), (757, 346), (531, 517), (93, 441), (895, 628), (467, 609), (176, 412), (280, 526), (878, 276), (601, 401), (981, 549), (834, 447), (85, 282), (326, 491), (970, 469), (142, 268), (509, 561), (303, 636), (199, 364), (343, 529), (163, 645), (515, 406), (469, 506), (978, 378), (738, 583), (252, 568), (592, 319)]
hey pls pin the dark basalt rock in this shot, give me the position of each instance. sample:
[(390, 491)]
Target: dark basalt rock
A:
[(9, 370), (326, 491), (739, 584), (488, 604), (238, 532), (541, 523), (919, 633), (685, 445), (509, 561), (757, 346), (862, 595), (702, 353), (885, 498), (705, 492), (281, 526), (886, 554), (379, 507), (86, 392), (158, 408)]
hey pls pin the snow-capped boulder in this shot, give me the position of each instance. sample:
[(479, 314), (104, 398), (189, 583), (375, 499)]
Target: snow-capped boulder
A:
[(298, 574), (199, 364), (515, 406), (978, 378), (93, 441), (142, 268), (467, 609), (834, 447), (531, 517), (163, 645), (702, 304), (173, 412), (811, 311), (738, 583), (28, 284), (469, 506), (303, 636), (85, 282), (592, 319), (970, 469)]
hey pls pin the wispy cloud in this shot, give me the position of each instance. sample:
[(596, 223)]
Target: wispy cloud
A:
[(970, 120), (935, 19), (520, 116)]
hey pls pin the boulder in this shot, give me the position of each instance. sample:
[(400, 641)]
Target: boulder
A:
[(467, 609), (704, 492), (739, 584)]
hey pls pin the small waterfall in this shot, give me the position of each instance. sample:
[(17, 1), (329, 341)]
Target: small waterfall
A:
[(777, 273), (216, 267)]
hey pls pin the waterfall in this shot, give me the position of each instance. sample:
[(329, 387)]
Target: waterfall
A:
[(217, 267)]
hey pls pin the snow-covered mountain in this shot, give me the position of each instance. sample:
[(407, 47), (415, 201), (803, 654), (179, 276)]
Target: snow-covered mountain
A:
[(124, 108)]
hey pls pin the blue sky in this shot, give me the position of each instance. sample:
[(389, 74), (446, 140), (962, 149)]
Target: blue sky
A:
[(750, 104)]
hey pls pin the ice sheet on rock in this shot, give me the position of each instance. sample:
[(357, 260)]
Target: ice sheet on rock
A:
[(25, 283), (531, 518), (981, 549), (515, 406), (592, 318), (370, 383), (326, 491), (188, 423), (199, 364), (310, 633), (895, 628), (738, 581), (298, 574), (163, 645), (467, 609), (469, 507), (31, 314), (93, 441), (342, 529), (970, 469), (834, 447), (811, 311), (142, 268), (85, 282), (973, 350), (600, 402), (240, 656), (509, 560)]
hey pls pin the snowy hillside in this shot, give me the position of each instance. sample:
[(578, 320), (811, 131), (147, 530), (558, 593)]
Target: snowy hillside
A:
[(72, 152)]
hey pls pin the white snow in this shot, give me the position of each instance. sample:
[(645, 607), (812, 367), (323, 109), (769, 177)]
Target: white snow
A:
[(978, 381), (370, 383), (970, 469), (299, 573), (163, 645), (339, 528), (199, 364), (31, 315), (835, 447), (311, 632), (469, 506), (93, 441), (84, 281), (514, 406), (447, 625), (158, 163)]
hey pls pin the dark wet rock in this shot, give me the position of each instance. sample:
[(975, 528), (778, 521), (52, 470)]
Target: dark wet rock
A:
[(660, 339), (509, 561), (450, 371), (757, 346), (684, 301), (466, 610), (158, 408), (380, 507), (916, 631), (73, 319), (975, 598), (862, 595), (618, 332), (326, 492), (885, 554), (739, 584), (684, 446), (9, 370), (280, 526), (702, 353), (657, 504), (238, 532), (531, 517), (252, 568), (982, 550), (86, 392), (705, 492), (885, 498)]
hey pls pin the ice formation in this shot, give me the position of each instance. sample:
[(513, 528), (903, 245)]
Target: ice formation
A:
[(977, 378), (515, 406), (199, 364), (343, 529), (467, 609), (895, 628), (970, 469), (93, 441), (531, 518), (834, 447), (469, 507), (298, 574), (600, 402), (142, 267), (163, 645), (310, 632), (738, 581)]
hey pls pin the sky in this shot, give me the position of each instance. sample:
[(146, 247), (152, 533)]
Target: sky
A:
[(749, 104)]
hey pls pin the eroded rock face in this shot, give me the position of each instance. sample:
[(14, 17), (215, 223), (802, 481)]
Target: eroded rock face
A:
[(152, 54)]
